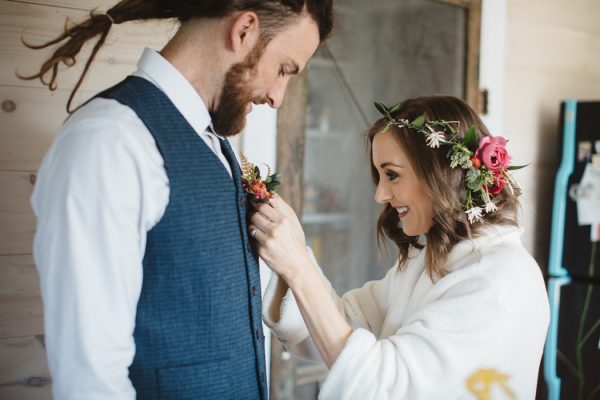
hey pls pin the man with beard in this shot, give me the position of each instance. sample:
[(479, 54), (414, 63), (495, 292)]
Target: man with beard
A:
[(149, 284)]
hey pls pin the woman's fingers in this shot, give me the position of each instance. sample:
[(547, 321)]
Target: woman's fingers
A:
[(261, 222), (269, 212), (256, 233), (279, 204)]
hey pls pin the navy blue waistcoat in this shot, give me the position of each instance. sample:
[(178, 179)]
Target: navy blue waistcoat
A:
[(198, 332)]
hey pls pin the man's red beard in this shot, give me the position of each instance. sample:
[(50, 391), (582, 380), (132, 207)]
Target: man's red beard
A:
[(229, 118)]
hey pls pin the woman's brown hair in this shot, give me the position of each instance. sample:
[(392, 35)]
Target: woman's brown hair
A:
[(444, 185), (274, 16)]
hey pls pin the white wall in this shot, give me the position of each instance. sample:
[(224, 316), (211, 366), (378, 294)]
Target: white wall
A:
[(552, 53)]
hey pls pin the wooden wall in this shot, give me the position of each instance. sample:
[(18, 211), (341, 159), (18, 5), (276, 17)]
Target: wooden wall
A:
[(553, 53), (30, 116)]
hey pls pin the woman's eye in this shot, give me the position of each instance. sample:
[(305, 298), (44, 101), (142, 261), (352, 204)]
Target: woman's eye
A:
[(391, 175)]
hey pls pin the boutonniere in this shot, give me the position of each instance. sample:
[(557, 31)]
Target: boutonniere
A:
[(257, 188)]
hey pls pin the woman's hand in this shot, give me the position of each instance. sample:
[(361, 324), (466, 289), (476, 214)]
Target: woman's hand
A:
[(281, 244), (281, 241)]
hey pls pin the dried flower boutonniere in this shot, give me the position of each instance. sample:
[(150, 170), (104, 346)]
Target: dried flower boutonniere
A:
[(258, 190)]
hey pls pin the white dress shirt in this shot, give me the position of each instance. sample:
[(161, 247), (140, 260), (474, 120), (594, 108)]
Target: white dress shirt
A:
[(101, 187)]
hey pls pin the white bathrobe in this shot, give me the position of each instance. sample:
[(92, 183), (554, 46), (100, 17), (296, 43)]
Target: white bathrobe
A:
[(414, 338)]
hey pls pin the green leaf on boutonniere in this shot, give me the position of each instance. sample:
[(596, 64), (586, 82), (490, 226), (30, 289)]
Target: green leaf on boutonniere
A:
[(419, 121), (470, 139)]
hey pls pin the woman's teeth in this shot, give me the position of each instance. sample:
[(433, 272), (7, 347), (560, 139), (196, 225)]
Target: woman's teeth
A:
[(402, 211)]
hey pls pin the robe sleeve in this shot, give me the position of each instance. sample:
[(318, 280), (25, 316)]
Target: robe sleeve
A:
[(362, 308), (430, 356)]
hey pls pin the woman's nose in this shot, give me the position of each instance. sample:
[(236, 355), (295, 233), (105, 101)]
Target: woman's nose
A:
[(382, 194)]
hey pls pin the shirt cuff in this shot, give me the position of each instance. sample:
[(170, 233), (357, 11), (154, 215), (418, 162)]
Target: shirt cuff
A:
[(281, 312), (289, 328)]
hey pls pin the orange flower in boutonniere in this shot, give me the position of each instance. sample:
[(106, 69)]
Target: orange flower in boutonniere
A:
[(257, 188)]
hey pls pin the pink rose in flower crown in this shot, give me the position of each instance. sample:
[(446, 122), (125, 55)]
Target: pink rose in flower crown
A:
[(492, 153)]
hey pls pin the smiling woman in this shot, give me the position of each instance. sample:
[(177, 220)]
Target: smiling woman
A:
[(434, 192), (465, 304)]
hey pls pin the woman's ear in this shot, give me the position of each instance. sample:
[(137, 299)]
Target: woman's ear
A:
[(244, 32)]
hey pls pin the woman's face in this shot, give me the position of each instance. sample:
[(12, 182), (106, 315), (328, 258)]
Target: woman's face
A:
[(399, 185)]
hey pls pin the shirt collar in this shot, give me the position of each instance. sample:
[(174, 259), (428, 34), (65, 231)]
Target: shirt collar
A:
[(155, 68)]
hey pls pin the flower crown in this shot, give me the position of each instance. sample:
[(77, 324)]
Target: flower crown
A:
[(485, 161), (258, 190)]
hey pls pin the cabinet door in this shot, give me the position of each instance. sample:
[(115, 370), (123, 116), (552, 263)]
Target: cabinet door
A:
[(387, 50)]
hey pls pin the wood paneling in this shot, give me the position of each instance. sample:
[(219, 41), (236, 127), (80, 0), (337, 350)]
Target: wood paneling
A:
[(21, 312), (16, 218), (30, 116), (23, 369), (38, 24), (27, 132)]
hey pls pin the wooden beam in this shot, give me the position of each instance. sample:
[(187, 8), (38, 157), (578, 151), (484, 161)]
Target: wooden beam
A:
[(473, 97), (291, 128)]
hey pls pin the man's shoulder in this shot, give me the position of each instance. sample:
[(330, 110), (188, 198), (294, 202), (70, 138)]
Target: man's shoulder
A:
[(103, 122), (105, 113)]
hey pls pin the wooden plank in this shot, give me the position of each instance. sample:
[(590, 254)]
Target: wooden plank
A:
[(38, 24), (24, 139), (23, 369), (579, 51), (100, 5), (21, 310), (29, 121), (16, 217), (579, 15)]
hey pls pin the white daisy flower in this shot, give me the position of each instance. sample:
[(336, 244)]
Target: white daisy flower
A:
[(490, 207), (474, 214), (434, 139)]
